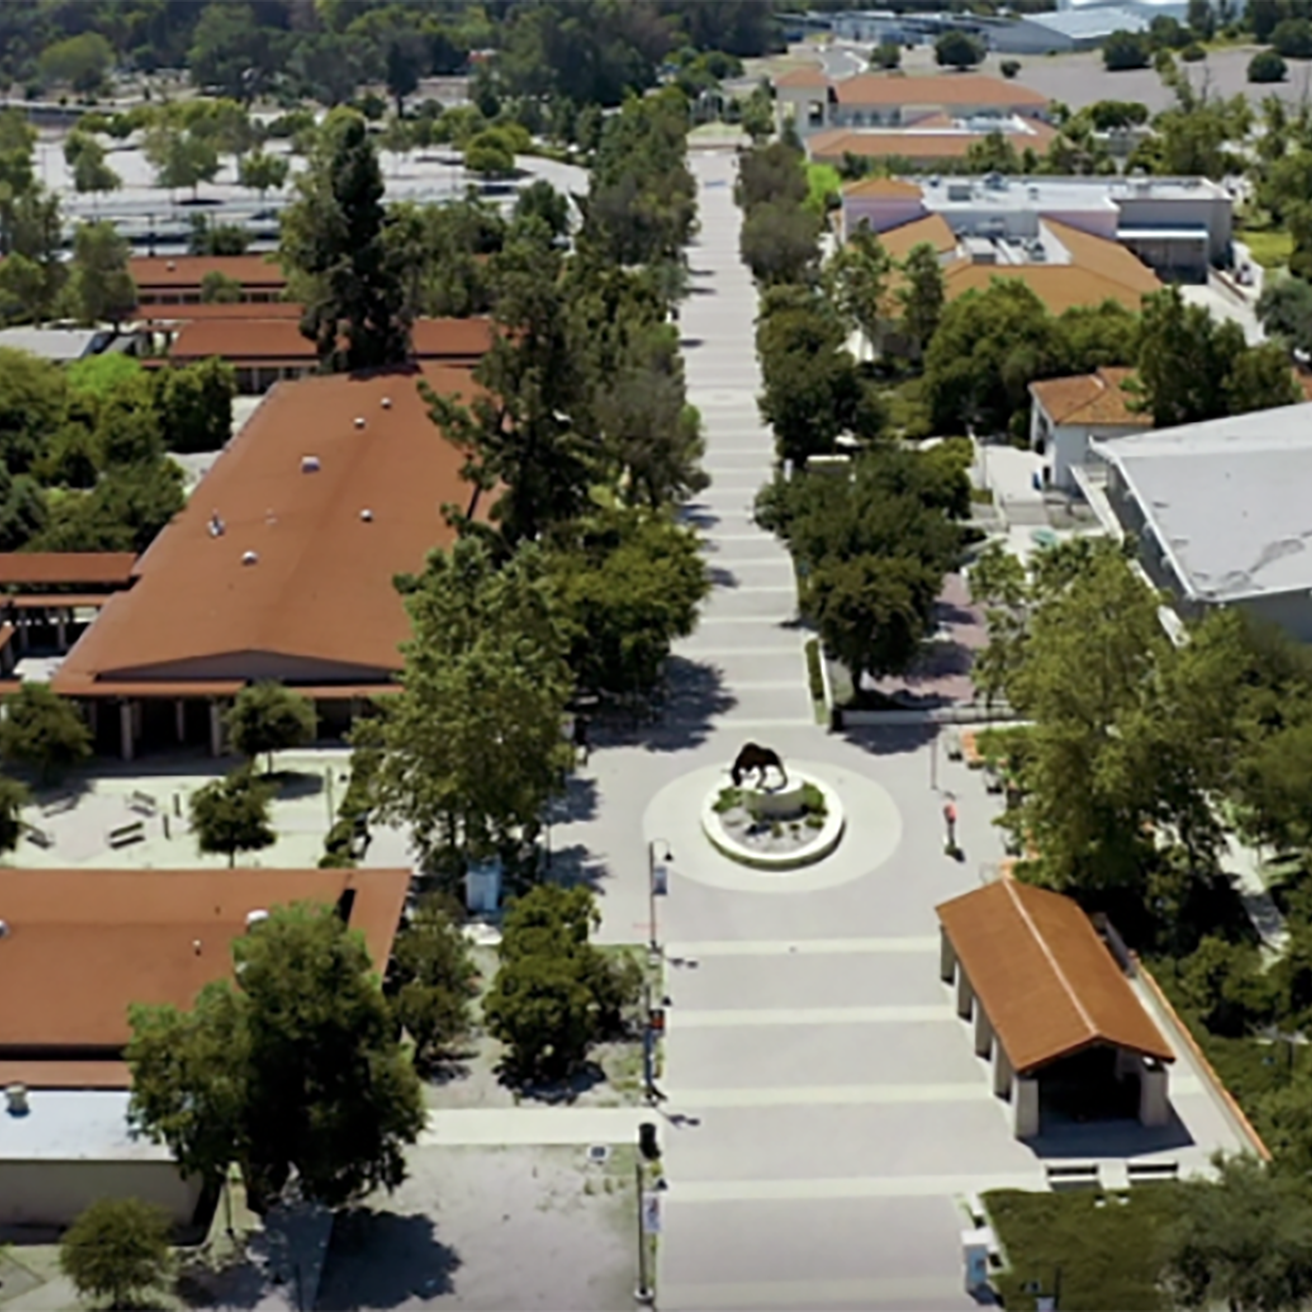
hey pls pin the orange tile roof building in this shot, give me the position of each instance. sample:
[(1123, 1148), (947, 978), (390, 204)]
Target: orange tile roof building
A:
[(1068, 413), (264, 351), (81, 946), (1050, 1004), (179, 279), (281, 566), (937, 143)]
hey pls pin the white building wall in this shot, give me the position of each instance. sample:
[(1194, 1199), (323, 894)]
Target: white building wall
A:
[(52, 1193)]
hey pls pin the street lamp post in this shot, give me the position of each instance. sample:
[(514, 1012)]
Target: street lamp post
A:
[(644, 1293), (657, 886)]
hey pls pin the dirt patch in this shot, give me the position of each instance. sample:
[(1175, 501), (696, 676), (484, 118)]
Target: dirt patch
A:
[(491, 1230)]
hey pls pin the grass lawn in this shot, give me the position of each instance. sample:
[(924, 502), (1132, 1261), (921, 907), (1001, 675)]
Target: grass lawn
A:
[(1270, 249), (1106, 1249)]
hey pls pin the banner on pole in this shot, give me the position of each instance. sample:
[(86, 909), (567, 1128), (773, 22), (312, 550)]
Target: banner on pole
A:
[(660, 880), (651, 1213)]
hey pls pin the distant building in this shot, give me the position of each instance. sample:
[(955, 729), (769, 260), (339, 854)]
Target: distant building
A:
[(60, 345), (266, 351), (935, 141), (1069, 413), (281, 566), (1179, 227), (179, 279), (1219, 512)]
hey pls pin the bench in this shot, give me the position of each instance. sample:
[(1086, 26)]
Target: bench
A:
[(955, 749), (123, 835), (975, 1210), (41, 837), (1141, 1172), (59, 805), (993, 781), (142, 803), (1072, 1175)]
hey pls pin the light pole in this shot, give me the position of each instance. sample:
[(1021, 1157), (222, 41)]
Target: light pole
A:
[(658, 884), (644, 1293)]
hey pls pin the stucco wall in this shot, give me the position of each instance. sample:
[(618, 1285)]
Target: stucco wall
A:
[(1068, 446), (880, 212), (52, 1193)]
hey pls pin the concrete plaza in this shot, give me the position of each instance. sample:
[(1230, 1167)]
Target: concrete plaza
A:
[(824, 1113)]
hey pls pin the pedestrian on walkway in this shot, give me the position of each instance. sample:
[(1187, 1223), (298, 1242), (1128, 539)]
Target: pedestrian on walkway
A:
[(581, 737), (950, 821)]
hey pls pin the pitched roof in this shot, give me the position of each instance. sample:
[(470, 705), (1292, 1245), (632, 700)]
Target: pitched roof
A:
[(914, 144), (198, 310), (933, 229), (319, 592), (869, 188), (1108, 259), (1096, 398), (276, 341), (946, 89), (187, 272), (805, 78), (84, 944), (1046, 981), (48, 568), (1060, 287)]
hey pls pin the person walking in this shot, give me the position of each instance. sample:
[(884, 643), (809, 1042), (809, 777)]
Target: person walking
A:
[(581, 744), (950, 822)]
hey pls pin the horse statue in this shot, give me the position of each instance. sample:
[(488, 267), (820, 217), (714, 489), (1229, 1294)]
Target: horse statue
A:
[(758, 758)]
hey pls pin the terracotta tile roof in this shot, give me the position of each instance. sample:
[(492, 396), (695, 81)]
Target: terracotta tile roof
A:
[(1059, 286), (899, 242), (66, 1074), (177, 273), (915, 144), (812, 76), (1048, 984), (869, 188), (939, 89), (1107, 258), (318, 599), (83, 944), (219, 310), (89, 568), (1096, 398), (279, 341)]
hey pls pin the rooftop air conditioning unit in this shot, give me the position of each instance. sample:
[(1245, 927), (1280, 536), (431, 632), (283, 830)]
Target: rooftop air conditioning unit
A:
[(359, 421), (387, 403), (309, 464), (367, 515), (256, 917), (250, 557), (4, 929), (16, 1099)]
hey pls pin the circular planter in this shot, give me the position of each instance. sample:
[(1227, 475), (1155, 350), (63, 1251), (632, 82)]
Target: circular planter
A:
[(766, 803)]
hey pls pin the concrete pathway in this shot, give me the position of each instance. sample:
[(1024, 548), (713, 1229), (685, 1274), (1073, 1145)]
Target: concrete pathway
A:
[(465, 1126)]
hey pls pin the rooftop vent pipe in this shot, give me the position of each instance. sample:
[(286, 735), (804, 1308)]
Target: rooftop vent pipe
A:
[(16, 1099), (256, 917), (387, 403), (359, 421), (309, 464), (250, 557), (367, 515)]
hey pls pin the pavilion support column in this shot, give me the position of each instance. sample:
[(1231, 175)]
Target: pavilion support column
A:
[(1154, 1105), (947, 956), (125, 737), (1025, 1106), (965, 994), (216, 727), (1001, 1071), (180, 719), (93, 716), (983, 1032), (61, 628)]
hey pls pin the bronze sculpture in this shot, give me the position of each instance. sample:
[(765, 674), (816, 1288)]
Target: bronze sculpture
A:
[(761, 759)]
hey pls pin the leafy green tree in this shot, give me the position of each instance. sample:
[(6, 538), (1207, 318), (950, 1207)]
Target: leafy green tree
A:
[(992, 153), (100, 284), (1243, 1241), (779, 242), (1292, 38), (627, 590), (886, 55), (269, 718), (13, 797), (774, 172), (540, 200), (33, 401), (554, 994), (1259, 379), (957, 49), (1126, 50), (43, 732), (473, 746), (330, 68), (334, 234), (489, 154), (86, 157), (81, 62), (232, 53), (216, 288), (922, 295), (195, 405), (17, 175), (406, 59), (1261, 17), (231, 815), (522, 433), (432, 978), (296, 1076), (262, 172), (1185, 359), (856, 281), (181, 158), (118, 1249)]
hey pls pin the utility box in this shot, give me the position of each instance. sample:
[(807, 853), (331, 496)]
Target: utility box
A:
[(975, 1245), (483, 887)]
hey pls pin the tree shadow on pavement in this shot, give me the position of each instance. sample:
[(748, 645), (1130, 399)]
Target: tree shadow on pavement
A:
[(695, 695), (577, 802), (384, 1260), (575, 865), (557, 1093), (892, 739)]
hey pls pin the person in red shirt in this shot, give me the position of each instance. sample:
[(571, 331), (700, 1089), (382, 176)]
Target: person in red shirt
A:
[(950, 820)]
